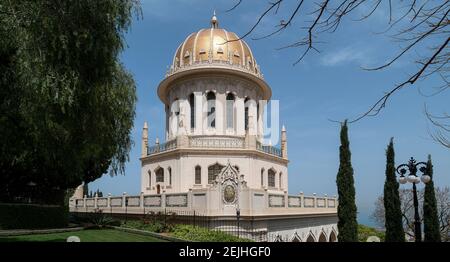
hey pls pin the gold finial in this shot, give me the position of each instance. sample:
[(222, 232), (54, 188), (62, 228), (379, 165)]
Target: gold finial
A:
[(214, 22)]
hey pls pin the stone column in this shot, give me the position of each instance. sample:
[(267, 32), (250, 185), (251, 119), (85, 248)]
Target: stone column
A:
[(109, 200), (163, 200), (144, 140), (124, 198), (240, 116), (283, 143), (220, 113), (141, 200), (198, 113), (95, 200), (302, 199), (315, 200), (286, 199)]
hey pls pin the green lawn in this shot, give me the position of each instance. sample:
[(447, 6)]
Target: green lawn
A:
[(93, 235)]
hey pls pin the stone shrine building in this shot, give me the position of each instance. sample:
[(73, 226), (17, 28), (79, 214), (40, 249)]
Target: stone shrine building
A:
[(214, 159)]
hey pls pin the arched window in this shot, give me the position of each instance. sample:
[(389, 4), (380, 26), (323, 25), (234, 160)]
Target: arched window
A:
[(170, 175), (149, 178), (262, 177), (192, 106), (280, 181), (322, 237), (246, 104), (332, 237), (310, 238), (159, 175), (271, 178), (211, 106), (213, 172), (230, 111), (198, 175), (176, 107), (257, 111)]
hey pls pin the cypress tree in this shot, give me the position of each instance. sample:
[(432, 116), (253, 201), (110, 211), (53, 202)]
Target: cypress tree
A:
[(393, 213), (430, 213), (347, 225)]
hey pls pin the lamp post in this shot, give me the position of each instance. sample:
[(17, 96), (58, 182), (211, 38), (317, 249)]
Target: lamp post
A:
[(238, 215), (408, 173), (126, 206)]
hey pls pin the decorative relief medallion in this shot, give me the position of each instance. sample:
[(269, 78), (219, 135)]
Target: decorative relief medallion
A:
[(229, 194)]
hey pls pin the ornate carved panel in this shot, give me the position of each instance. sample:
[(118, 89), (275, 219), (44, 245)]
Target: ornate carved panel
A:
[(102, 202), (133, 201), (222, 142), (308, 201), (80, 202), (89, 202), (116, 201), (320, 202), (152, 201), (276, 200), (294, 201), (331, 202), (176, 200)]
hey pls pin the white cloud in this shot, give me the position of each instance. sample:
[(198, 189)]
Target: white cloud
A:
[(345, 56)]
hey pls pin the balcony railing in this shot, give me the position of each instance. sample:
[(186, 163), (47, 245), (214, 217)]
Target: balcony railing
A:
[(227, 64), (169, 145), (219, 142), (268, 149), (213, 143)]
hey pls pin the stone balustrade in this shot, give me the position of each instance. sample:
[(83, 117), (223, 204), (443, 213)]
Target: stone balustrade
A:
[(213, 142), (215, 63), (274, 203)]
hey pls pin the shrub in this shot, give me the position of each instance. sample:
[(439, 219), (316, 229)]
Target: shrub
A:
[(96, 219), (31, 216), (153, 226), (192, 233)]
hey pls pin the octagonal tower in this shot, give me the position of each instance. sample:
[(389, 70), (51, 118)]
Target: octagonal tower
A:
[(214, 119)]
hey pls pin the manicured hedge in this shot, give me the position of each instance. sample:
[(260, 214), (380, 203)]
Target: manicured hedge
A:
[(200, 234), (29, 216)]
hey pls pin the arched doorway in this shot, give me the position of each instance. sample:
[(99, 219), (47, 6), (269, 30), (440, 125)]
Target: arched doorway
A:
[(333, 237), (322, 237), (310, 238)]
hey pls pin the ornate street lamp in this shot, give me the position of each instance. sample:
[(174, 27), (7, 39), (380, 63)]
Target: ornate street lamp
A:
[(408, 173)]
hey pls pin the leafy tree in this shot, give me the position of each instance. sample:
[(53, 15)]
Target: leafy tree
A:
[(347, 225), (406, 199), (67, 102), (430, 211), (392, 205)]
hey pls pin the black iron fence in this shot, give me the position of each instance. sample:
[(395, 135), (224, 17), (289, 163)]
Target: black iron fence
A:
[(242, 227)]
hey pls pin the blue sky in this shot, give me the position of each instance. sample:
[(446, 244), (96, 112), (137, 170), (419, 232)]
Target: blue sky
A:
[(325, 85)]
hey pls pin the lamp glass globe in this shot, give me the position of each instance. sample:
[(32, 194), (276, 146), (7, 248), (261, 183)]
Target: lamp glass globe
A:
[(425, 178), (417, 180), (402, 180), (411, 179)]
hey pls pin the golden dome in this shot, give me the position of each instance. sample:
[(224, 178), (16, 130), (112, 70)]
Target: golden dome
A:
[(214, 46), (213, 51)]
